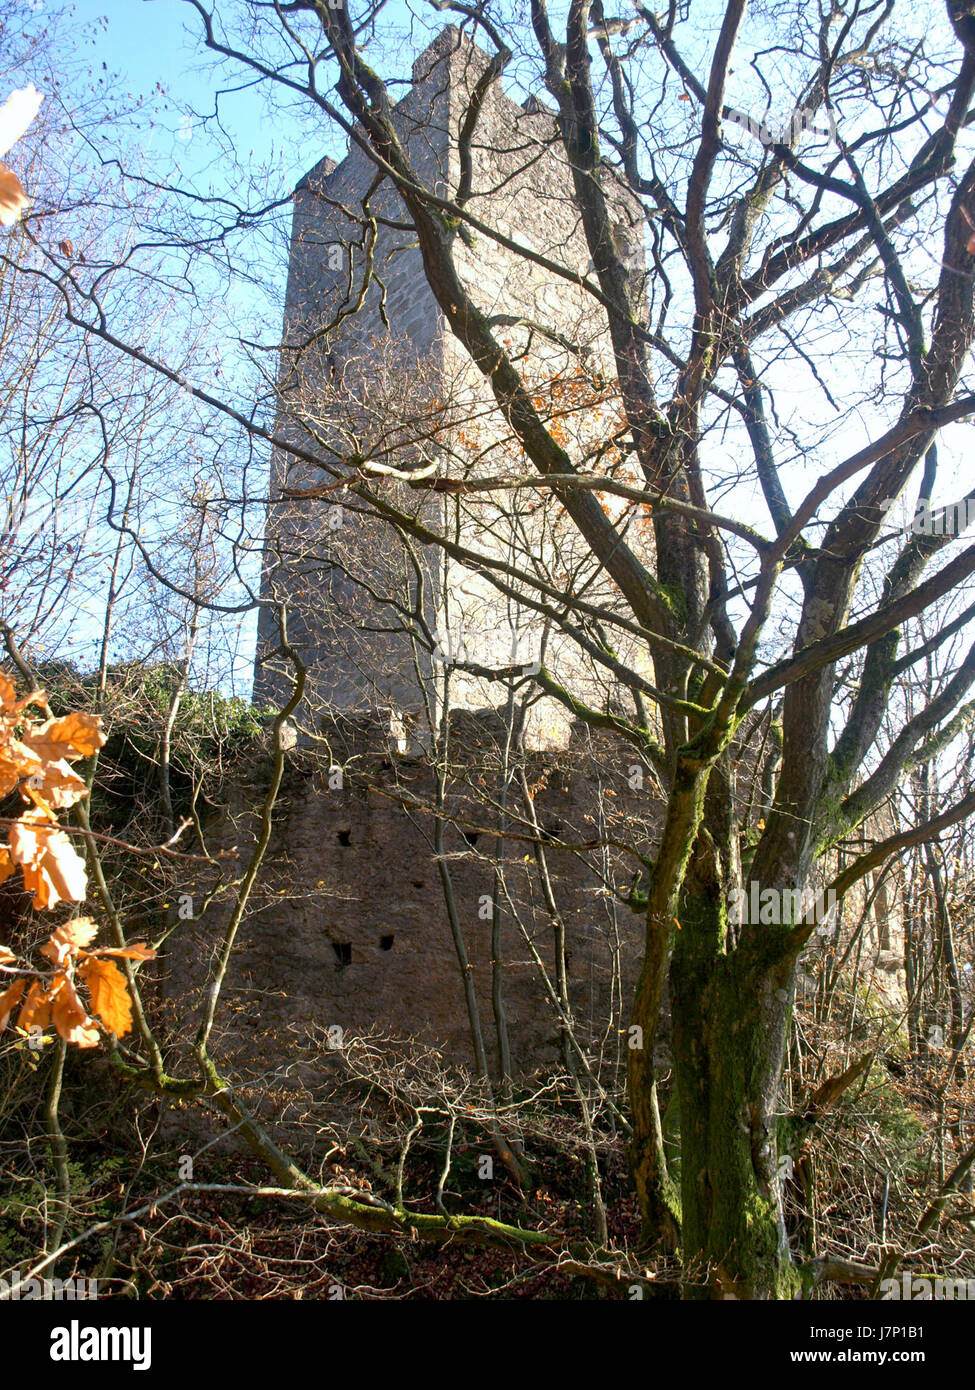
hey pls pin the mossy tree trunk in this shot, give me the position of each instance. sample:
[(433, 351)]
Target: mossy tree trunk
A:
[(730, 995), (731, 1019)]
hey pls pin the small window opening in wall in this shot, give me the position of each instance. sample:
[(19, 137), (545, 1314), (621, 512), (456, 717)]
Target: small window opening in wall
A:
[(418, 883), (344, 838), (343, 954), (386, 942), (472, 837)]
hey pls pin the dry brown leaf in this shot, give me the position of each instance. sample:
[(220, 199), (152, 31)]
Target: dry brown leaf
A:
[(13, 199), (109, 994), (68, 939), (53, 872), (69, 1015), (8, 697), (37, 1007), (38, 761), (9, 1000), (78, 933), (16, 762), (57, 784), (137, 951), (34, 795), (73, 735)]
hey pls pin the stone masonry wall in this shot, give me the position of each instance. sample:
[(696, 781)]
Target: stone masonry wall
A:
[(349, 924)]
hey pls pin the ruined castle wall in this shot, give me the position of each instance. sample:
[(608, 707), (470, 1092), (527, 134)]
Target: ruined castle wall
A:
[(349, 926)]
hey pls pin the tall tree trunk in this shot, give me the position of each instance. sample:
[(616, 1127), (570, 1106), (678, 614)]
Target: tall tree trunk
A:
[(730, 1030), (731, 1001)]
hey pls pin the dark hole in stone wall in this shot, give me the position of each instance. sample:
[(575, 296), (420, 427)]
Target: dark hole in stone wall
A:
[(343, 954), (386, 942), (345, 838), (472, 837)]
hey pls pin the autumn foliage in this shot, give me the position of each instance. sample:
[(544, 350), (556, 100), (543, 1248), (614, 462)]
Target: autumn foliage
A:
[(36, 753)]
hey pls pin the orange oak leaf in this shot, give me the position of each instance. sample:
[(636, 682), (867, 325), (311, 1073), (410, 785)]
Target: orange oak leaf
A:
[(69, 1015), (77, 933), (137, 951), (37, 1008), (8, 696), (73, 735), (9, 1000), (16, 762), (32, 794), (7, 866), (109, 994), (9, 704), (56, 785), (53, 872), (13, 199), (67, 940)]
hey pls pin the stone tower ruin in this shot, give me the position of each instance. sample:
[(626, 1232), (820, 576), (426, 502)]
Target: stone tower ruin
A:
[(374, 915), (372, 380)]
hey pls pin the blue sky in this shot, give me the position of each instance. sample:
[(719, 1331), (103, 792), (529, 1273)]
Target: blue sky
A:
[(146, 42), (139, 35)]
